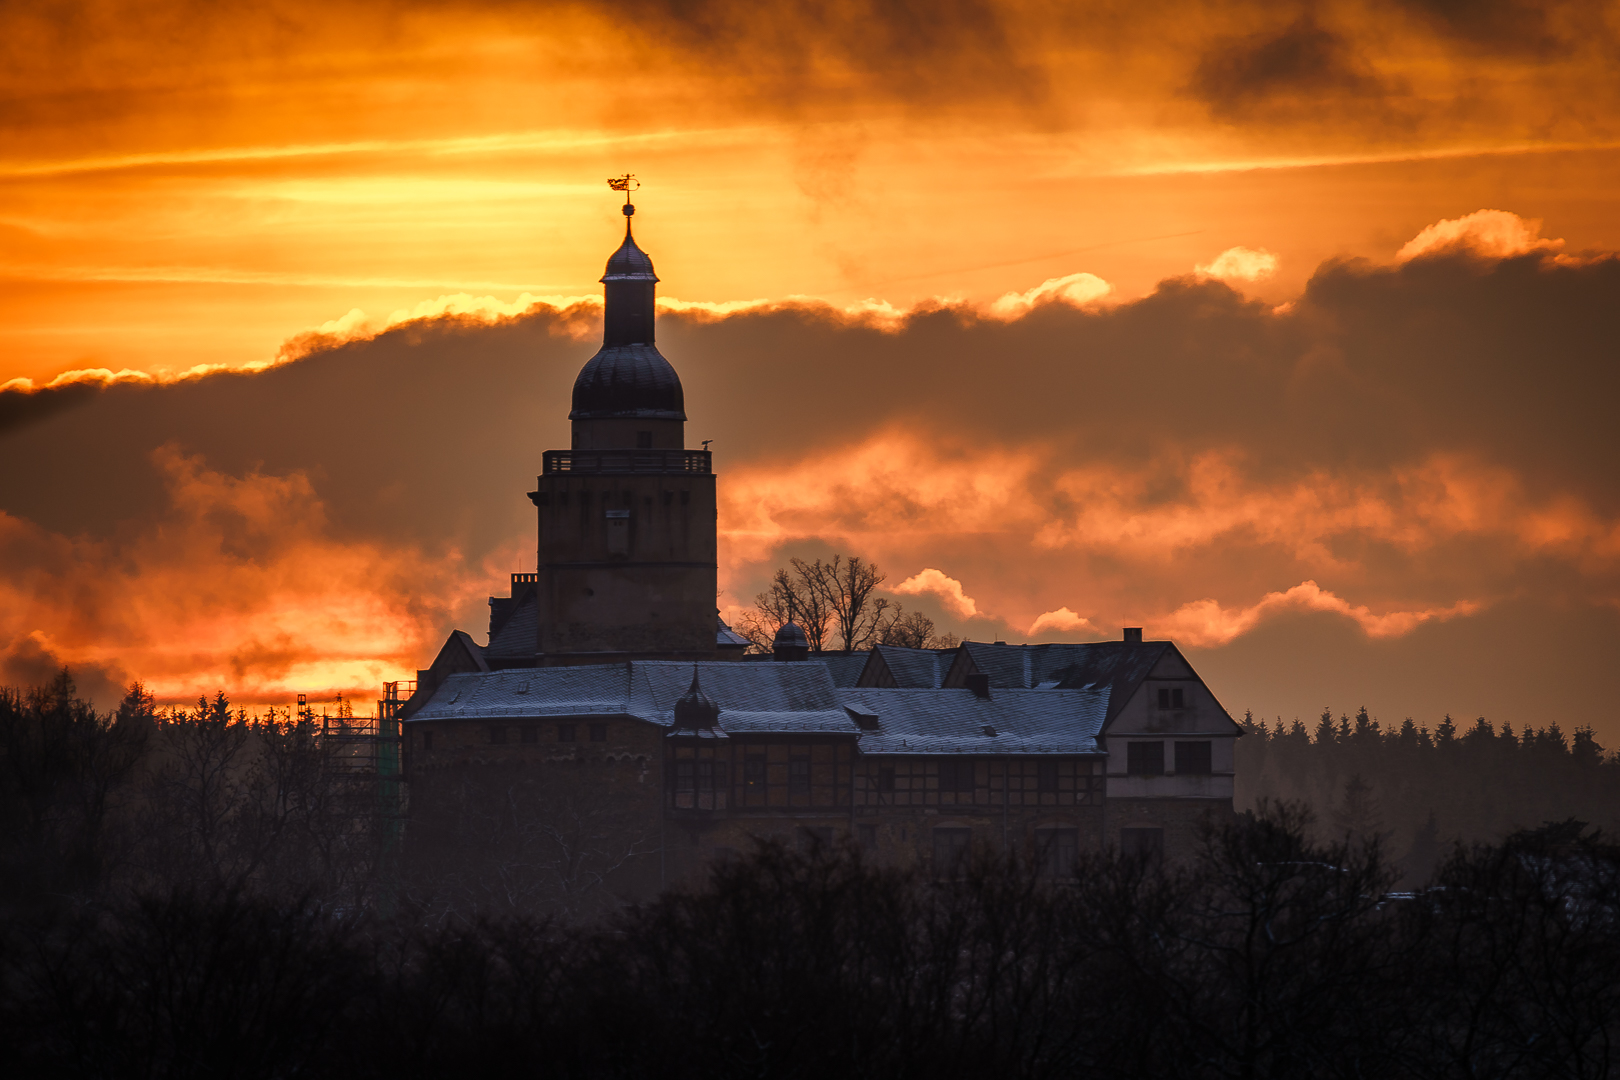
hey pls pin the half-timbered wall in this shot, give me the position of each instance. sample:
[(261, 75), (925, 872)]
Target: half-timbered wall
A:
[(964, 781)]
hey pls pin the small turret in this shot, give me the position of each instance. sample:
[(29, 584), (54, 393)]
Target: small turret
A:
[(790, 642), (696, 710)]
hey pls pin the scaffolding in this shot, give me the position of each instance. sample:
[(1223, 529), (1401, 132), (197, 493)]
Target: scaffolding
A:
[(368, 751)]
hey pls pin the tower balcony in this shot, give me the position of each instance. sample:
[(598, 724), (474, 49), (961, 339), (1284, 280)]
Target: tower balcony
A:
[(627, 461)]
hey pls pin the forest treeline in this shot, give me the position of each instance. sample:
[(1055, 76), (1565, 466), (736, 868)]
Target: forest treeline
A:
[(1269, 955), (1420, 791), (200, 893), (142, 800)]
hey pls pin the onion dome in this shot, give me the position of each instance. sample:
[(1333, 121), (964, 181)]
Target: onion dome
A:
[(628, 378), (629, 263), (695, 709), (625, 382), (790, 642)]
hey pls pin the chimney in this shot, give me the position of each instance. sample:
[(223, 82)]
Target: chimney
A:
[(979, 683), (1133, 634)]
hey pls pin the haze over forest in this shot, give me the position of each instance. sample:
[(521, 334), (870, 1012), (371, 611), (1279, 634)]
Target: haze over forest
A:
[(1285, 332)]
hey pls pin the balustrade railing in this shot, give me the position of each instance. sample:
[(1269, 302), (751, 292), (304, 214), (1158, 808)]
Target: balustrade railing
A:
[(627, 461)]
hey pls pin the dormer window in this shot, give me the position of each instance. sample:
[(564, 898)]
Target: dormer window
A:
[(1171, 698)]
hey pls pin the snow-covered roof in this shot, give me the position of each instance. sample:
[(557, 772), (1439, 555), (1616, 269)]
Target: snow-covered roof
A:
[(934, 721), (787, 699)]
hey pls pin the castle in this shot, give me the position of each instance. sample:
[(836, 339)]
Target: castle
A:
[(612, 735)]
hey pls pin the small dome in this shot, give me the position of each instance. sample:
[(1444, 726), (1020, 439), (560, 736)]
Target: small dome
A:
[(629, 263), (695, 709), (628, 381), (790, 636)]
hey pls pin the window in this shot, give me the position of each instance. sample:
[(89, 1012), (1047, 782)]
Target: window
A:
[(1056, 851), (950, 850), (754, 773), (497, 734), (529, 734), (1170, 698), (1144, 758), (799, 776), (427, 740), (565, 732), (1192, 759), (598, 733), (699, 780), (866, 836), (956, 774), (1145, 844), (643, 440), (886, 778), (618, 532), (1046, 776)]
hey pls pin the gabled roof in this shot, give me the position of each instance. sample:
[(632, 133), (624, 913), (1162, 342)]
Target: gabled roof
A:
[(1119, 666), (892, 665), (936, 721), (519, 636), (726, 637), (474, 652), (844, 668)]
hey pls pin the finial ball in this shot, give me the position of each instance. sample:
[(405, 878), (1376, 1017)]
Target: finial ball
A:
[(629, 208)]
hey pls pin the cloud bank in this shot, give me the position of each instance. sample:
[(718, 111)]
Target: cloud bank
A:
[(1418, 453)]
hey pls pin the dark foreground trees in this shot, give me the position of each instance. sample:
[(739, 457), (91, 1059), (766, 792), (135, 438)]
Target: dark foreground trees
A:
[(1266, 957)]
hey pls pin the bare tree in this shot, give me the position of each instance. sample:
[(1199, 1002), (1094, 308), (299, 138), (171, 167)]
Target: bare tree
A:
[(793, 595), (913, 630), (845, 589)]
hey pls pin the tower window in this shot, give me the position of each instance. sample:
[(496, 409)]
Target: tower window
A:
[(565, 732), (643, 440), (1171, 698)]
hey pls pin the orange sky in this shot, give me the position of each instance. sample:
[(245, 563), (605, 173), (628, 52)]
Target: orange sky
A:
[(183, 187)]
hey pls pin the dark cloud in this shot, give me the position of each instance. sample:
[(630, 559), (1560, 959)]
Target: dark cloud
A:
[(19, 407), (1302, 65), (1509, 26), (76, 75), (29, 662), (912, 50)]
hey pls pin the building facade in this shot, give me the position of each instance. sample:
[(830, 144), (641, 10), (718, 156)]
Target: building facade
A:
[(611, 736)]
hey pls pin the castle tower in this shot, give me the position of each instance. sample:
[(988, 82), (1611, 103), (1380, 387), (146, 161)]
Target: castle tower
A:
[(626, 562)]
